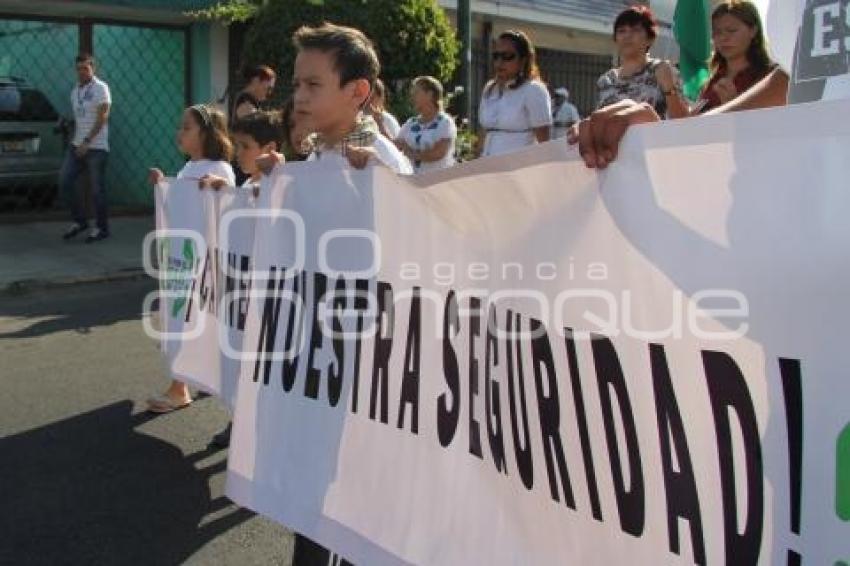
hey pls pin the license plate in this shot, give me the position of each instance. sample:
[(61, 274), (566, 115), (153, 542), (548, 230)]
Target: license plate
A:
[(17, 146)]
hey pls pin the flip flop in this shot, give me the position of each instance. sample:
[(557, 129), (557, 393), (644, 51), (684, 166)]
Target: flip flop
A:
[(163, 403)]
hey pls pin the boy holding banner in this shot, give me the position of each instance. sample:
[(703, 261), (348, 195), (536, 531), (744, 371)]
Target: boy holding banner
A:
[(255, 134), (333, 80)]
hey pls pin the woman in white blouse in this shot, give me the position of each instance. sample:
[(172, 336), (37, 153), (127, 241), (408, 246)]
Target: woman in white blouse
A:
[(428, 139), (515, 110)]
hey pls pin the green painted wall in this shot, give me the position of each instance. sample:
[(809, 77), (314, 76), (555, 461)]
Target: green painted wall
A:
[(43, 54), (145, 69), (201, 63)]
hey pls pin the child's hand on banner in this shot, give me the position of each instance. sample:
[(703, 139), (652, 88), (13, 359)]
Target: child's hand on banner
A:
[(213, 182), (268, 161), (155, 176)]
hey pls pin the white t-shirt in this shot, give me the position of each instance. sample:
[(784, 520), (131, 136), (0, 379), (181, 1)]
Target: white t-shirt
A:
[(201, 167), (388, 153), (421, 136), (820, 68), (390, 125), (85, 100), (508, 117)]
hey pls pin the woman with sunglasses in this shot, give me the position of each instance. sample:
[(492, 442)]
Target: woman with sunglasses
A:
[(640, 77), (515, 110)]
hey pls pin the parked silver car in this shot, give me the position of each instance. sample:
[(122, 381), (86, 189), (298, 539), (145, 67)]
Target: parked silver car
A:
[(32, 141)]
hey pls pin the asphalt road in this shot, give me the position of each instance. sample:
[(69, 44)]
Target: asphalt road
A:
[(86, 476)]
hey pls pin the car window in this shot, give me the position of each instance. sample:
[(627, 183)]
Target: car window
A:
[(25, 105)]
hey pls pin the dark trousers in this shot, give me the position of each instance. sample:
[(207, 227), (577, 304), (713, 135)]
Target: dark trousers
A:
[(95, 162), (308, 553)]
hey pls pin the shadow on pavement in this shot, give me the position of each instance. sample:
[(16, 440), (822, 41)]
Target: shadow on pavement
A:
[(78, 308), (93, 490)]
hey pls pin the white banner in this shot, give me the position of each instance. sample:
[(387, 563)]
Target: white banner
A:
[(521, 361), (197, 269)]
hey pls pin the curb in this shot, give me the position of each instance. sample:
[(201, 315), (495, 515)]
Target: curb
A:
[(24, 286), (61, 215)]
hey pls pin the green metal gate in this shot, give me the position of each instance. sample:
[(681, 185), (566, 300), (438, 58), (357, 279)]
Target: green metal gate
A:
[(146, 71), (146, 68)]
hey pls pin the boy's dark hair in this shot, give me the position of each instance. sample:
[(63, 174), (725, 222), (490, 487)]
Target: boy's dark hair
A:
[(263, 127), (354, 54), (637, 16), (215, 141), (84, 58)]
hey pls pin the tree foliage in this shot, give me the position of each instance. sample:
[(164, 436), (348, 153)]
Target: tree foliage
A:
[(413, 37), (228, 11)]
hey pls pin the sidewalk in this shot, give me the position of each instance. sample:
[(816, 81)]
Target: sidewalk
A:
[(34, 255)]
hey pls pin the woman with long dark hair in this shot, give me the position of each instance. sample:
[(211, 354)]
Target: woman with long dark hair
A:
[(295, 135), (740, 57), (515, 110), (259, 84), (377, 108)]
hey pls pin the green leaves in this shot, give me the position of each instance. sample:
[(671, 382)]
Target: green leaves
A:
[(413, 37), (228, 11)]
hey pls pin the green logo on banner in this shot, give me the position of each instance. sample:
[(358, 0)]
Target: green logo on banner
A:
[(842, 475), (178, 271), (842, 479)]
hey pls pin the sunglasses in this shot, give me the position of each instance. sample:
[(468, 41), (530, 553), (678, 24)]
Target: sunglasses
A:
[(503, 55)]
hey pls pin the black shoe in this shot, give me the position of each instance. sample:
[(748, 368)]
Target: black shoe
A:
[(222, 439), (73, 230), (96, 235)]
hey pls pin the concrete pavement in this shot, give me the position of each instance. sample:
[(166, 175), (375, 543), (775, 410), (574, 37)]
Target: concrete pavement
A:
[(86, 476), (34, 255)]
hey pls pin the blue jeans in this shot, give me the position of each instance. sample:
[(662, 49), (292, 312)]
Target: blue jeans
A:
[(95, 161)]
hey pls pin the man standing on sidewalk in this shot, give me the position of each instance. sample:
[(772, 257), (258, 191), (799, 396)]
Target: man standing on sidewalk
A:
[(90, 100)]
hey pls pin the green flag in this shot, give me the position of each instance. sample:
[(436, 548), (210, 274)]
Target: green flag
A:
[(693, 32)]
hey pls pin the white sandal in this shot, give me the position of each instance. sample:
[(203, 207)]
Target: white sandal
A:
[(164, 403)]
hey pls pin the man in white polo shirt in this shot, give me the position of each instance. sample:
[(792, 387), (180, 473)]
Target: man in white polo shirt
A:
[(810, 40), (90, 101)]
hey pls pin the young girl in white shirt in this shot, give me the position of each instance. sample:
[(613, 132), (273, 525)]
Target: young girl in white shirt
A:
[(202, 137)]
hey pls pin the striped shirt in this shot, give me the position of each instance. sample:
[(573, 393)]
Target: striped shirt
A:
[(85, 100)]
